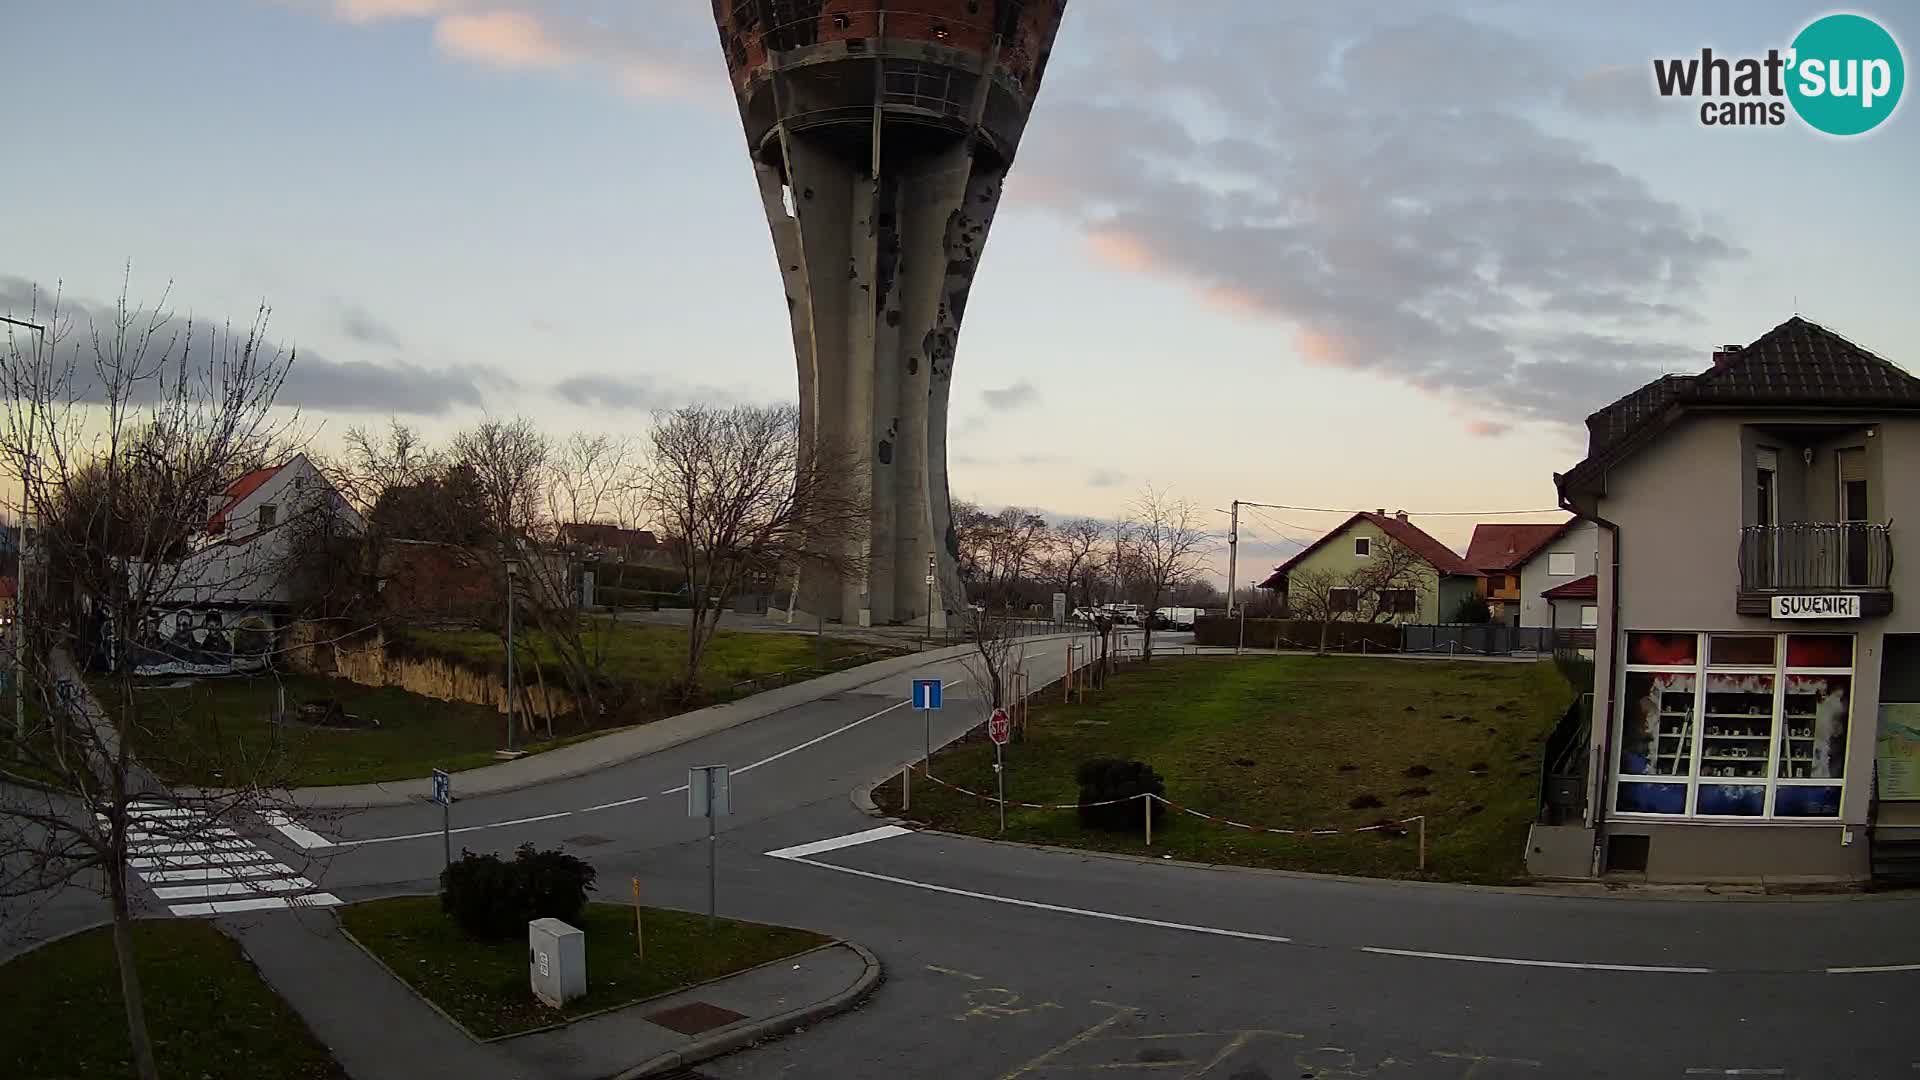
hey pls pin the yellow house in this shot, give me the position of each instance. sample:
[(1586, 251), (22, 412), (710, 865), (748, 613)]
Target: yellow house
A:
[(1427, 593)]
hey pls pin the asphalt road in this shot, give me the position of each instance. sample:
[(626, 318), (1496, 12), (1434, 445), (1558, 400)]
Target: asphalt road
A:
[(1006, 961)]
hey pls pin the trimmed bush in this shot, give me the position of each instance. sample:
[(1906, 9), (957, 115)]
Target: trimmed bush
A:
[(556, 882), (493, 900), (1104, 779)]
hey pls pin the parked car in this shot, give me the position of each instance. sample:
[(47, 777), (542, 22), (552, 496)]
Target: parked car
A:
[(1179, 618)]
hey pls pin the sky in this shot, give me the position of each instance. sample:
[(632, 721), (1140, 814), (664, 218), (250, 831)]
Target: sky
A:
[(1376, 254)]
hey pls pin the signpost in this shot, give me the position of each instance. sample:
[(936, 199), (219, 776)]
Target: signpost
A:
[(709, 796), (930, 571), (999, 730), (443, 794), (926, 699)]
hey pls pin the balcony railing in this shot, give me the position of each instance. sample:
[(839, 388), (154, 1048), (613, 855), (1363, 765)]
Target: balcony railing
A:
[(1822, 556)]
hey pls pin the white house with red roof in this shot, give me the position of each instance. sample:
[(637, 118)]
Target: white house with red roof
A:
[(234, 587)]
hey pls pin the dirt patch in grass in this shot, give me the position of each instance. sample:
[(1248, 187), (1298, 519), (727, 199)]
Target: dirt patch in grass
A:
[(210, 1014), (1299, 719), (484, 984)]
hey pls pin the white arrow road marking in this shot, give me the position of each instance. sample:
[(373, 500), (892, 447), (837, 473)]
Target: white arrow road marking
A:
[(838, 842)]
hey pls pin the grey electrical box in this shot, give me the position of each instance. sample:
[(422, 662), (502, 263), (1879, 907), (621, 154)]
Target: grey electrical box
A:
[(556, 961)]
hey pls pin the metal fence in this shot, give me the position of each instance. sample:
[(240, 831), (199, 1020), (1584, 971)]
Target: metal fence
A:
[(1815, 555), (1477, 639)]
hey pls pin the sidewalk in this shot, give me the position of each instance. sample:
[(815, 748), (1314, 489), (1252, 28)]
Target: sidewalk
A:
[(618, 747), (378, 1029)]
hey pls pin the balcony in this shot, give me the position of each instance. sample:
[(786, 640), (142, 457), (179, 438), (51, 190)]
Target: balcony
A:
[(1822, 558)]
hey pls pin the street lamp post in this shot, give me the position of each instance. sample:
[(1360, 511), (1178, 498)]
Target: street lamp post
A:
[(513, 571), (19, 626)]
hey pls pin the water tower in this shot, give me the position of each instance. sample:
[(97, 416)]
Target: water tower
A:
[(881, 134)]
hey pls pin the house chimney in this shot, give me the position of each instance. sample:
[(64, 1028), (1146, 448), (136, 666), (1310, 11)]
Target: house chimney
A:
[(1382, 512), (1723, 355), (1401, 514)]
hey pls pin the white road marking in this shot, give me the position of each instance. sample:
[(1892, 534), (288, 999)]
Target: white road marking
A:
[(842, 729), (1471, 959), (1736, 1072), (620, 802), (169, 812), (192, 849), (233, 888), (220, 873), (294, 831), (182, 834), (828, 735), (218, 858), (256, 903), (1871, 969), (838, 842), (1038, 906), (463, 829)]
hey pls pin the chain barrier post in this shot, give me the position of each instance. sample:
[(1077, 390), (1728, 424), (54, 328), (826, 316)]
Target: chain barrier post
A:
[(1146, 803), (1423, 841)]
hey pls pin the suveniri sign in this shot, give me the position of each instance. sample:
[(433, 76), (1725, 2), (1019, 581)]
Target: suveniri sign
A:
[(1816, 607)]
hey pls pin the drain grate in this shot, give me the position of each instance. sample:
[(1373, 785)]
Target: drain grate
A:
[(695, 1017)]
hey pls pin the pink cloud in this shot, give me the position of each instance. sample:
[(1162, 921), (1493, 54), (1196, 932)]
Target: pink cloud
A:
[(1323, 348), (1487, 429), (508, 39), (1120, 249)]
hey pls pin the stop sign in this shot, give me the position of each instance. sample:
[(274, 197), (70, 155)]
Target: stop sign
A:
[(998, 728)]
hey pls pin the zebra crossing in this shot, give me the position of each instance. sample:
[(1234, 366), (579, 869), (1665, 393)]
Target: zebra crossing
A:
[(200, 870)]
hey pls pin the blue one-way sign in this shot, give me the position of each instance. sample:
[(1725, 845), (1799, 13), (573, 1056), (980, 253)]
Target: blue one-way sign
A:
[(926, 693)]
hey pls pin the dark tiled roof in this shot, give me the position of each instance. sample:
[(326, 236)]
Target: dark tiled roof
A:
[(1586, 588), (1504, 546), (1438, 555), (1796, 365)]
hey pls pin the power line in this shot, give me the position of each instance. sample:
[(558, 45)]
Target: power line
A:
[(1409, 513)]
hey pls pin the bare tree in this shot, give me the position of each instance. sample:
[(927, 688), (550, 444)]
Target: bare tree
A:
[(996, 657), (740, 497), (1165, 546), (122, 441), (1388, 585), (1071, 548)]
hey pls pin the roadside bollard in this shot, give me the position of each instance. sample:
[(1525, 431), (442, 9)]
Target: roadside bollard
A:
[(1423, 841), (906, 787), (1146, 804)]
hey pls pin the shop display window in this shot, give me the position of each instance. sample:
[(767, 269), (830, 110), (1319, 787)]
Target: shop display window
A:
[(1734, 725)]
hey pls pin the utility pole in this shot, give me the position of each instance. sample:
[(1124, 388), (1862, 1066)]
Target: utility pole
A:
[(19, 626), (513, 566), (1233, 555)]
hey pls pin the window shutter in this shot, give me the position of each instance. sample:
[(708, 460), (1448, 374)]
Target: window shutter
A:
[(1767, 458), (1853, 466)]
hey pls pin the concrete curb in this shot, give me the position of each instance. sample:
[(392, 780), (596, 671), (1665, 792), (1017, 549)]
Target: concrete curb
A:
[(771, 1027), (641, 740)]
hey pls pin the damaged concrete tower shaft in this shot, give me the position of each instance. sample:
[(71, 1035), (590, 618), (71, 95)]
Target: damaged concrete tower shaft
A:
[(881, 138)]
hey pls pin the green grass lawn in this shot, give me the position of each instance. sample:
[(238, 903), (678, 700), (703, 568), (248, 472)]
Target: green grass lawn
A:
[(484, 984), (1286, 742), (210, 1015), (653, 656), (216, 731)]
